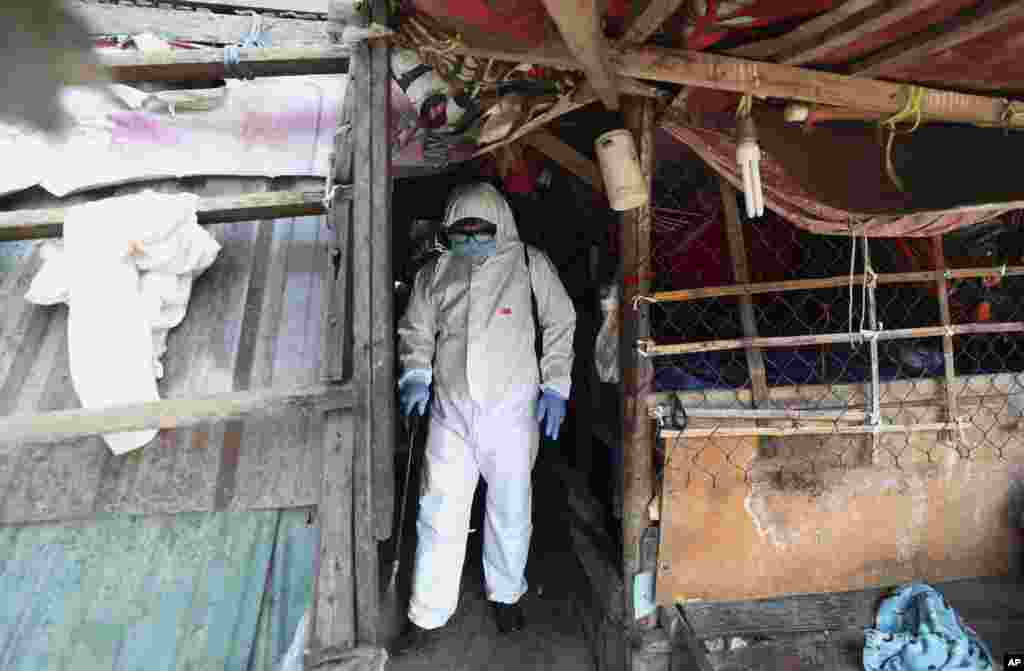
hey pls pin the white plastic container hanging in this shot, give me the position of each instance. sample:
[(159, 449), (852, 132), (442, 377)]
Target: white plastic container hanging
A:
[(748, 158), (620, 169)]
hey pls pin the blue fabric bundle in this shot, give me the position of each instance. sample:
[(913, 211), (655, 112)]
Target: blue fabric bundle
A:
[(916, 630)]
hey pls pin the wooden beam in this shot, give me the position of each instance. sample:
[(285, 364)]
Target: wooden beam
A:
[(49, 223), (580, 25), (804, 33), (169, 413), (770, 80), (566, 156), (333, 621), (367, 596), (207, 64), (382, 287), (873, 20), (305, 8), (196, 26), (964, 27), (637, 372), (741, 274), (974, 599), (650, 19)]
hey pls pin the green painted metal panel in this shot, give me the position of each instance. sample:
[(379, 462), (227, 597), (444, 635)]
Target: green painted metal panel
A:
[(177, 593)]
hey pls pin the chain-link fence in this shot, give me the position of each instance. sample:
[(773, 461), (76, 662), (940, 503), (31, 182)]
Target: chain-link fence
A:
[(813, 353)]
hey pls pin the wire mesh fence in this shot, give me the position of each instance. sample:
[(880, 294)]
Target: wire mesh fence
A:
[(843, 363)]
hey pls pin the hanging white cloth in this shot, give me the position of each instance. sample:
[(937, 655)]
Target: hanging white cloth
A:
[(125, 268)]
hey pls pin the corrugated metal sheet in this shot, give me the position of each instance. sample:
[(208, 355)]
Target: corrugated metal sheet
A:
[(254, 320), (184, 592)]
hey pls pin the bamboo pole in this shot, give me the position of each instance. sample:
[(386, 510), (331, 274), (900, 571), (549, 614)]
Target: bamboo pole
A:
[(949, 364), (839, 415), (649, 349), (875, 388), (741, 272), (818, 429), (49, 223), (207, 64), (769, 80), (917, 277), (45, 427)]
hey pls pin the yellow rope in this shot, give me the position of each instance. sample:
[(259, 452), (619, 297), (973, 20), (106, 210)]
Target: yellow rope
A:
[(745, 106), (911, 110)]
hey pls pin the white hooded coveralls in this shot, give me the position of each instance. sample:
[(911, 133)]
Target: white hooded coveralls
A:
[(470, 328)]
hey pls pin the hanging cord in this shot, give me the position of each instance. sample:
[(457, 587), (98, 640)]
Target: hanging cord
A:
[(911, 110), (255, 39), (745, 106)]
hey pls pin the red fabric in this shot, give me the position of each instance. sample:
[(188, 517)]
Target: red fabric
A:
[(723, 18), (524, 20), (787, 198)]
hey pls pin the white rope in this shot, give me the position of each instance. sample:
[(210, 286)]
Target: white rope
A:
[(637, 300)]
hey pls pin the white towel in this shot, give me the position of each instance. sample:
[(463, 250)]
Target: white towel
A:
[(125, 268)]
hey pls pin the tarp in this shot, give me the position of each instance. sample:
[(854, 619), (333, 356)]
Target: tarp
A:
[(268, 127), (787, 197)]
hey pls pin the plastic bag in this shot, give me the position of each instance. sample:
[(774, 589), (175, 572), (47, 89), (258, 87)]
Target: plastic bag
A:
[(606, 347)]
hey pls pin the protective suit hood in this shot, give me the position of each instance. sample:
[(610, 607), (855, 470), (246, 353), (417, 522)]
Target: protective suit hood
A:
[(483, 201)]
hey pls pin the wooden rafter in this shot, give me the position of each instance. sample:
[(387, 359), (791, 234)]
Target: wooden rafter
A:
[(949, 34), (582, 98), (565, 156), (49, 223), (770, 80), (876, 18), (650, 19), (205, 27), (580, 25), (173, 413), (802, 34)]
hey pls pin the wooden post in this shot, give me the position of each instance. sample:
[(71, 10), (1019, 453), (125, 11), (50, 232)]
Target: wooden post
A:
[(382, 287), (738, 252), (941, 285), (637, 372), (334, 600), (361, 86)]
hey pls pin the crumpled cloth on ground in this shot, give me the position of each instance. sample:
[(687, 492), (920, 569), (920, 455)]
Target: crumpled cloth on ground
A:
[(916, 630), (125, 268), (363, 658)]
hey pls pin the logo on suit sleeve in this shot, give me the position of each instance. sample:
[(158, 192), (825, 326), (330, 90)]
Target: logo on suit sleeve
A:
[(505, 312)]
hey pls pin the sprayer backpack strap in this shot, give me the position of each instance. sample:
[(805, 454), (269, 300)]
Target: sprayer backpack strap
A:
[(539, 342)]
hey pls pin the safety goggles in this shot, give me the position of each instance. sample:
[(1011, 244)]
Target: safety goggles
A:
[(471, 228), (462, 238)]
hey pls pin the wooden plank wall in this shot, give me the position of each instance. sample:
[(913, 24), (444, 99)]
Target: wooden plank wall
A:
[(254, 321), (912, 510)]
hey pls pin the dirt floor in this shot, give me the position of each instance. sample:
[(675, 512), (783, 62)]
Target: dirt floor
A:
[(553, 638)]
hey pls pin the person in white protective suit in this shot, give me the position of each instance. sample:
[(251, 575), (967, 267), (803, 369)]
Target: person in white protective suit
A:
[(469, 333)]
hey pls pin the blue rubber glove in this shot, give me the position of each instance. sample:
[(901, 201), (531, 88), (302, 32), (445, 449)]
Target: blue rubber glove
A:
[(415, 394), (551, 413)]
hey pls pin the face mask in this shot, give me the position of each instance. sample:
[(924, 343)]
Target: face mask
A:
[(474, 248)]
